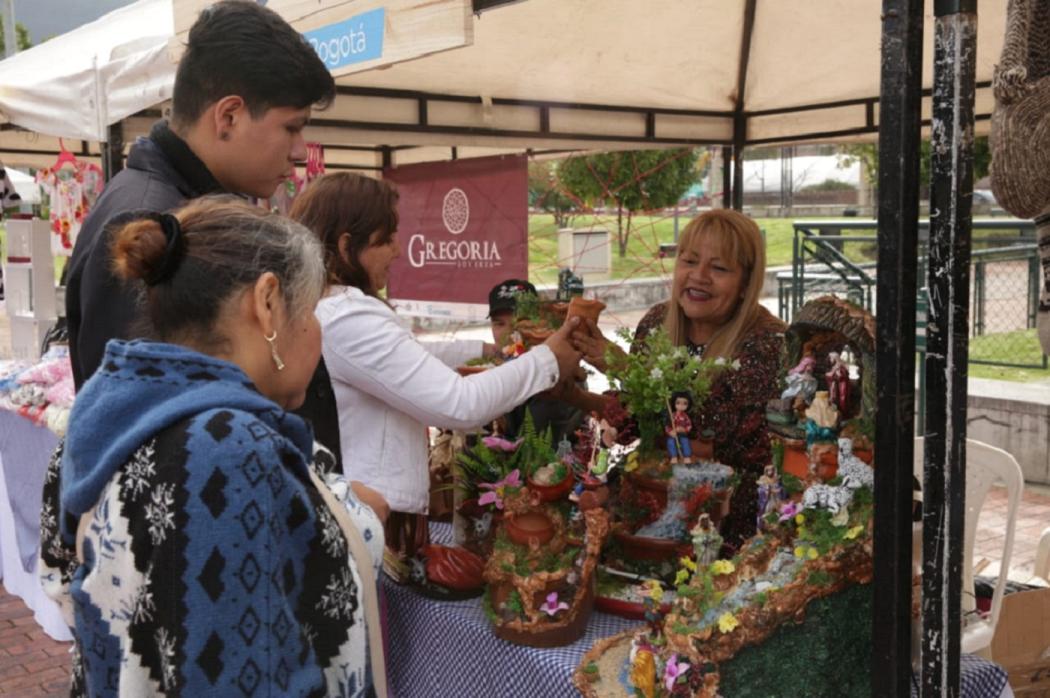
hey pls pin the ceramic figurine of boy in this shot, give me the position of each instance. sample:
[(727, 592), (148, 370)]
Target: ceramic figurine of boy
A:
[(707, 541), (515, 346), (771, 493), (678, 428)]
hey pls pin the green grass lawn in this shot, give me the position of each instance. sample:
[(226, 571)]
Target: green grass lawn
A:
[(647, 233), (1021, 347)]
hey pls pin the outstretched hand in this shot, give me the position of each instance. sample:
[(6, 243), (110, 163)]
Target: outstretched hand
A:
[(566, 354)]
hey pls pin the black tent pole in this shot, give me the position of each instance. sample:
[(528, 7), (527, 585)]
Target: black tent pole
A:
[(948, 280), (898, 213)]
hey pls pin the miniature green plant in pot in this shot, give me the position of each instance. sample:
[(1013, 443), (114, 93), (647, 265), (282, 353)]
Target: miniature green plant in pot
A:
[(647, 378)]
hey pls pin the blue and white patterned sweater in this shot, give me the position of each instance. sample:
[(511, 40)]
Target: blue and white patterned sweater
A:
[(212, 565)]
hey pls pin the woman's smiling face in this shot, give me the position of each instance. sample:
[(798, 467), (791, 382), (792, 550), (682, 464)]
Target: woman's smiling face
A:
[(708, 285)]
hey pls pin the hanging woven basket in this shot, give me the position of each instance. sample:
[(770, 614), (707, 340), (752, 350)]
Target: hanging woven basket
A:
[(1021, 121)]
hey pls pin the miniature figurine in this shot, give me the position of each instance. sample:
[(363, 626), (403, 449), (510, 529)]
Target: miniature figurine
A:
[(515, 346), (823, 415), (855, 473), (707, 541), (771, 493), (678, 427), (801, 383), (838, 383)]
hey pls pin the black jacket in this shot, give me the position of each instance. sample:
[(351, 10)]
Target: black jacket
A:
[(161, 174)]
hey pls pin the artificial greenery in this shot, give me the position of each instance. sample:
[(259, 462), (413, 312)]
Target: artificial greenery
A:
[(478, 464), (535, 449), (646, 379), (818, 578), (514, 604), (527, 307)]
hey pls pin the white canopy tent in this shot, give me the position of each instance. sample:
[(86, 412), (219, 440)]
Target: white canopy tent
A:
[(592, 74)]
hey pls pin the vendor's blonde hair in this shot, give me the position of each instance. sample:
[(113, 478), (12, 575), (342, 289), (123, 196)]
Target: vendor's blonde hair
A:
[(740, 242)]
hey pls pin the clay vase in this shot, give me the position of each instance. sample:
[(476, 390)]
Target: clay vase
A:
[(586, 308), (529, 527)]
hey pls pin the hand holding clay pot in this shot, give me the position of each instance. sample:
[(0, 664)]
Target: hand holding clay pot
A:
[(590, 341), (567, 356)]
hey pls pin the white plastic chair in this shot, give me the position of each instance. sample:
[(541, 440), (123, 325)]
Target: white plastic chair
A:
[(985, 466)]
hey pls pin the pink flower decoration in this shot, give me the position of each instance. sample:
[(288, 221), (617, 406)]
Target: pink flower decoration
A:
[(497, 489), (552, 605), (788, 511), (498, 443), (673, 670)]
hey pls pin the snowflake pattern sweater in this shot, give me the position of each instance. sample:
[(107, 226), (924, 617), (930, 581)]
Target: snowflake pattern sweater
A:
[(212, 566)]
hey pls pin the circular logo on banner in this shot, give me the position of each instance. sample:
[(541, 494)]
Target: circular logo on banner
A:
[(455, 211)]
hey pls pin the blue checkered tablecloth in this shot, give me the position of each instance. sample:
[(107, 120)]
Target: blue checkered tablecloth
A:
[(447, 648), (978, 678), (439, 649)]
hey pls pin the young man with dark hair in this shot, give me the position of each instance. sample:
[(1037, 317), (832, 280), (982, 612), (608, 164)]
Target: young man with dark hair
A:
[(562, 417), (243, 93)]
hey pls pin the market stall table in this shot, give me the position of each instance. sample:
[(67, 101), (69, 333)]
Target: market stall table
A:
[(25, 449), (448, 648)]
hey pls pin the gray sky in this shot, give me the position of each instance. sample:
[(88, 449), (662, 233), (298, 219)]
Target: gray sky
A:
[(45, 18)]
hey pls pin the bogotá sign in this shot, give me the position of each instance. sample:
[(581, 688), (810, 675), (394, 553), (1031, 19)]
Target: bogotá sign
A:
[(354, 35)]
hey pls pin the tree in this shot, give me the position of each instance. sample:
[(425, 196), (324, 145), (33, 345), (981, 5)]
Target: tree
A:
[(21, 37), (638, 180), (867, 154), (545, 192)]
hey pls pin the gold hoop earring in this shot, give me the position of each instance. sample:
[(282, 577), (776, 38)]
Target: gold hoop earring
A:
[(273, 350)]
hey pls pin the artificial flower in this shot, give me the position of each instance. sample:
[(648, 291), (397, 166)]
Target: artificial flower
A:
[(727, 622), (552, 606), (720, 361), (800, 519), (653, 590), (657, 373), (673, 670), (681, 578), (812, 554), (498, 489), (735, 364), (687, 563), (788, 510), (498, 443), (854, 532), (800, 551), (722, 567)]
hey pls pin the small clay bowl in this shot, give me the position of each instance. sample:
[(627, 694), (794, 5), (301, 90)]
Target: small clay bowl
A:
[(529, 526)]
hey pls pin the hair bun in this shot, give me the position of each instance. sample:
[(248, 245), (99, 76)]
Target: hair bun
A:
[(138, 249)]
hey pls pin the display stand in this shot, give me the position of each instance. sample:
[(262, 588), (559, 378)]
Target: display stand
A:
[(30, 284)]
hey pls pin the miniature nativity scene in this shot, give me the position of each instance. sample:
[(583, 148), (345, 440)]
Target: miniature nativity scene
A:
[(627, 519)]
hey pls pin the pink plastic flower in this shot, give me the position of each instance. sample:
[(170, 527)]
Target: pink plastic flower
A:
[(497, 489), (498, 443), (673, 670), (788, 510), (552, 606)]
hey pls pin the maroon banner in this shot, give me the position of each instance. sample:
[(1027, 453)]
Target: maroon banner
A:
[(463, 229)]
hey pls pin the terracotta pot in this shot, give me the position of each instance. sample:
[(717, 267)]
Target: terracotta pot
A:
[(658, 488), (827, 465), (555, 309), (550, 493), (530, 526), (796, 461), (656, 549), (703, 449), (587, 308), (534, 336)]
